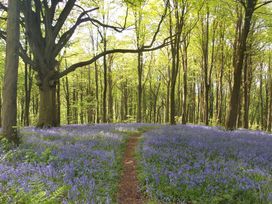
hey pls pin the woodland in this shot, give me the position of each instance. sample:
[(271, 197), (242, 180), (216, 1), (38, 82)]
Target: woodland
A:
[(200, 62), (82, 80)]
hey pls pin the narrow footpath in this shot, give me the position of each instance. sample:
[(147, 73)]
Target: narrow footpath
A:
[(129, 192)]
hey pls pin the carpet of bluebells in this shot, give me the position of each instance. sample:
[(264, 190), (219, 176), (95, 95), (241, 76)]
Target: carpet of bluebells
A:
[(71, 164), (197, 164)]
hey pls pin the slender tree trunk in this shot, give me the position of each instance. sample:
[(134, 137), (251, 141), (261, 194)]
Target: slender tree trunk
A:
[(140, 88), (75, 106), (212, 65), (205, 50), (175, 54), (28, 88), (89, 110), (0, 108), (21, 111), (193, 105), (235, 95), (261, 98), (246, 92), (58, 105), (81, 107), (144, 106), (167, 103), (97, 93), (9, 113), (67, 97), (125, 99), (155, 100), (172, 101), (185, 69), (266, 104), (269, 123), (105, 84), (110, 95)]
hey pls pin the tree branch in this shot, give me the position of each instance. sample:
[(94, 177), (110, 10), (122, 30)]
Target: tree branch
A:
[(262, 4), (22, 52), (26, 58), (95, 21), (159, 26), (63, 16), (107, 52), (68, 34), (243, 3)]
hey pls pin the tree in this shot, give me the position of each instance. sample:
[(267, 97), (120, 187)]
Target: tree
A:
[(250, 6), (9, 114), (45, 30)]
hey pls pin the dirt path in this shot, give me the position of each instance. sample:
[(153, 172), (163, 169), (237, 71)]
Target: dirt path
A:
[(129, 186)]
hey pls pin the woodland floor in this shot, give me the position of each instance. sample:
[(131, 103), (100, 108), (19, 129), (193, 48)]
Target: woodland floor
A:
[(129, 191), (160, 164)]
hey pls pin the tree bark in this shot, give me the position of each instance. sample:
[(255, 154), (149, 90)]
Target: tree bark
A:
[(9, 113), (105, 82), (67, 97), (140, 87), (261, 98), (246, 93), (235, 95), (0, 108), (28, 87), (48, 109), (97, 114), (205, 49), (110, 92), (269, 123), (185, 70)]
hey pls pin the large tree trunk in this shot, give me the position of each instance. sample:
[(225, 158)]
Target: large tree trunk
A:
[(9, 113), (48, 109)]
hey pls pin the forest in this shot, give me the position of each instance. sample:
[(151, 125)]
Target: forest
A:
[(98, 96)]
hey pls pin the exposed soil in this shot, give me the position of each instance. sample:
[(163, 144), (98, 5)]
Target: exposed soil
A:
[(129, 192)]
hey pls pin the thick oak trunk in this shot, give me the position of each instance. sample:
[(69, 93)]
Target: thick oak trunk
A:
[(48, 107)]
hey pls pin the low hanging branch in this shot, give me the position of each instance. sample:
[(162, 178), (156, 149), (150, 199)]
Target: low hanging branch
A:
[(102, 54), (145, 48)]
